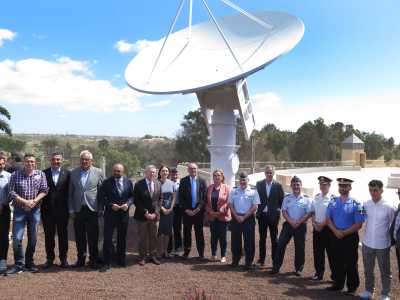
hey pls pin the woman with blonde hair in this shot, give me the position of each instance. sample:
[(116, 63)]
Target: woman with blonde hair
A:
[(218, 213)]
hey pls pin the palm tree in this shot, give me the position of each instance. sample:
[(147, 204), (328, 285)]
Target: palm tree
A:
[(3, 123)]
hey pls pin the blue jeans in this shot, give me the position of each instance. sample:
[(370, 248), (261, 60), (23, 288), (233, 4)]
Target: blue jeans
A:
[(31, 219)]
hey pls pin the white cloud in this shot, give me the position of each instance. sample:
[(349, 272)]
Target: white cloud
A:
[(63, 82), (377, 113), (162, 103), (126, 47), (5, 35)]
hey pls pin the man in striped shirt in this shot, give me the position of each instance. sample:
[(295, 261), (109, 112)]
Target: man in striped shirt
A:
[(27, 187)]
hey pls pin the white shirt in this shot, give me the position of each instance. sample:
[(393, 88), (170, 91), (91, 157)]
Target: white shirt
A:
[(4, 180), (150, 185), (379, 217), (268, 186), (243, 200), (319, 205)]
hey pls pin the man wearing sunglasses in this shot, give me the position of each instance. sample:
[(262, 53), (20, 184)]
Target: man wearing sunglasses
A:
[(379, 215)]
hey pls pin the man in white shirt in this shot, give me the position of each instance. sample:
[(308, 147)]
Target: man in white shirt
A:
[(321, 233), (376, 244)]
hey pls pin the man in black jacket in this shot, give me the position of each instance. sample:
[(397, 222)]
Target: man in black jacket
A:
[(54, 211), (269, 211), (116, 195), (192, 198), (147, 200)]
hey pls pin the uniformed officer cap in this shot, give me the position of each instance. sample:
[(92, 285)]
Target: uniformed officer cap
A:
[(324, 180), (243, 175), (295, 179), (344, 181)]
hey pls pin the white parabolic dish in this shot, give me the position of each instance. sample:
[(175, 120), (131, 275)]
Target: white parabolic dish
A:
[(205, 61)]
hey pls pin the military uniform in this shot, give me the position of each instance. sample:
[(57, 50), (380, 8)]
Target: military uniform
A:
[(321, 239), (343, 215), (242, 200), (296, 207)]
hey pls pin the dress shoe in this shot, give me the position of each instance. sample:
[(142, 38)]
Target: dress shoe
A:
[(316, 277), (185, 255), (350, 292), (105, 268), (334, 288), (142, 262), (31, 268), (48, 264), (15, 270), (248, 267), (64, 263), (234, 264), (155, 260), (79, 264), (298, 273), (94, 265), (273, 271), (121, 263), (260, 264)]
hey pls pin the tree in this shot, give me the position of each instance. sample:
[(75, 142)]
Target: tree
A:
[(11, 144), (129, 160), (4, 126), (103, 144), (191, 143)]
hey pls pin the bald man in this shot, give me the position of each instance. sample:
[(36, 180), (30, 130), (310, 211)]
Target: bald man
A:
[(116, 195)]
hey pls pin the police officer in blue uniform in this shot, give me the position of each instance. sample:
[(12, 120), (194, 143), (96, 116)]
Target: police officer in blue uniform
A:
[(344, 218), (296, 210), (243, 202)]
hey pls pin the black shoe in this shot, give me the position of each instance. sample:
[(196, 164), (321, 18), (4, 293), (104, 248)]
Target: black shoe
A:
[(31, 268), (15, 270), (317, 277), (155, 261), (234, 264), (298, 273), (105, 268), (121, 263), (334, 288), (93, 265), (273, 271), (185, 255), (79, 263), (64, 264), (48, 264), (248, 267), (350, 292)]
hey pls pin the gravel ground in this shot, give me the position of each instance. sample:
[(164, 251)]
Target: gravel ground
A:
[(174, 279)]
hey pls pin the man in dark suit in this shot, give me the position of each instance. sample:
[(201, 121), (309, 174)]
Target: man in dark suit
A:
[(147, 200), (269, 211), (192, 198), (84, 208), (54, 211), (116, 195)]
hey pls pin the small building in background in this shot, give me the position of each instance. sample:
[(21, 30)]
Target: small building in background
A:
[(353, 150)]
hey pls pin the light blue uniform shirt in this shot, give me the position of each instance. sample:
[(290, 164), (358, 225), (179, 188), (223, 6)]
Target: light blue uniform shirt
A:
[(243, 200), (296, 207), (4, 180), (345, 214)]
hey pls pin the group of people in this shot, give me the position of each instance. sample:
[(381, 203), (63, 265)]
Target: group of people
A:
[(164, 204)]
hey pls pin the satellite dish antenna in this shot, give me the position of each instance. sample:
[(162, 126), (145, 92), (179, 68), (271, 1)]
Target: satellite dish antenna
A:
[(213, 60)]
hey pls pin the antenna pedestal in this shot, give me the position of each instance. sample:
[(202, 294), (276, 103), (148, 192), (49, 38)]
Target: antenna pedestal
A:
[(218, 106)]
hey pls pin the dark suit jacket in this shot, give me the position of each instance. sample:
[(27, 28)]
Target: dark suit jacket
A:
[(56, 201), (274, 201), (185, 193), (109, 193), (143, 201)]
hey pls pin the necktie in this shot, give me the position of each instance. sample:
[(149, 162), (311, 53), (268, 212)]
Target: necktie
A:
[(119, 186), (194, 192)]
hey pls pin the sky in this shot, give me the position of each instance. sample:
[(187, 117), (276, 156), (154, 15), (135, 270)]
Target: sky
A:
[(62, 66)]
